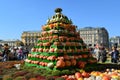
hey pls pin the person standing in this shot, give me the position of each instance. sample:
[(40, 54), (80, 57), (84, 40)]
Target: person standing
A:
[(14, 52), (103, 53), (97, 53), (114, 55), (20, 53), (25, 53), (6, 53)]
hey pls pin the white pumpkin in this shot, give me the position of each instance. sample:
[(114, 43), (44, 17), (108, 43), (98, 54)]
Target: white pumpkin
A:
[(98, 78), (50, 65)]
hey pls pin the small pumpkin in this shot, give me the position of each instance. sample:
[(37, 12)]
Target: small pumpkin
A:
[(57, 43), (33, 49), (40, 44), (85, 56), (37, 56), (46, 50), (55, 37), (68, 43), (29, 55), (51, 50), (66, 57), (60, 64), (45, 63), (67, 63), (33, 79), (60, 58), (73, 62), (50, 65), (40, 49), (51, 26), (81, 64)]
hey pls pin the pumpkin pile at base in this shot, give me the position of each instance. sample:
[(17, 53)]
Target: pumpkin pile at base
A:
[(60, 46)]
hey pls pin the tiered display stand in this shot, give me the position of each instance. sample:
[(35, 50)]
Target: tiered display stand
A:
[(60, 46)]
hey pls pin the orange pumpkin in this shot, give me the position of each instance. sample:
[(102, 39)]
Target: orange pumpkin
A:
[(55, 36), (57, 43), (51, 26), (29, 55), (81, 64), (66, 57), (33, 49), (67, 43), (47, 44), (73, 62), (45, 63), (61, 38), (40, 49), (67, 63), (37, 56), (85, 56), (60, 58), (33, 79), (50, 37), (60, 63), (55, 24)]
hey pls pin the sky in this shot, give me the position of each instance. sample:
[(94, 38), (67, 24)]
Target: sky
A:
[(17, 16)]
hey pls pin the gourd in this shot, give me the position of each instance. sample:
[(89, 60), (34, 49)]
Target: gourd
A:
[(73, 62), (50, 65), (60, 63)]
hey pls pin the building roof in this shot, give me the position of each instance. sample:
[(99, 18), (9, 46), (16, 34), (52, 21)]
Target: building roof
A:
[(31, 31), (88, 28)]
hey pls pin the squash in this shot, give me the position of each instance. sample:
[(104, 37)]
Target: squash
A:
[(60, 64), (84, 55), (66, 57), (57, 43), (51, 26), (50, 65), (33, 50), (55, 37), (60, 58), (73, 62), (50, 37), (33, 79), (40, 49), (51, 50), (68, 43), (81, 64), (67, 63)]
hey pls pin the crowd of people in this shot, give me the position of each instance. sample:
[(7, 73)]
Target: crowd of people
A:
[(20, 53), (13, 53), (101, 54)]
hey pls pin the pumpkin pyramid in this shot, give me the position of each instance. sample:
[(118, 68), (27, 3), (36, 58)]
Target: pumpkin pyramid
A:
[(59, 46)]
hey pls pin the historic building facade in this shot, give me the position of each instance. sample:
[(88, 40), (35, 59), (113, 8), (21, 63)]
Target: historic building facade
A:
[(11, 43), (115, 41), (30, 38), (93, 36)]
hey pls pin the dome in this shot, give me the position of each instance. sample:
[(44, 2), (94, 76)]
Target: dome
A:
[(59, 17)]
